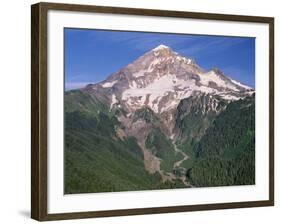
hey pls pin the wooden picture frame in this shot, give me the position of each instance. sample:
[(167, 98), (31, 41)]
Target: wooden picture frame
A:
[(39, 108)]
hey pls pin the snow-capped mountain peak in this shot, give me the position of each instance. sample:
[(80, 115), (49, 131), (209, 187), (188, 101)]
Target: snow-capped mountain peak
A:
[(161, 78), (160, 47)]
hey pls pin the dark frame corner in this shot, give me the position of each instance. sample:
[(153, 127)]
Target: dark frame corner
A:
[(39, 110)]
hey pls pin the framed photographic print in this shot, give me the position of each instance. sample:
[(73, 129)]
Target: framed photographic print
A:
[(139, 111)]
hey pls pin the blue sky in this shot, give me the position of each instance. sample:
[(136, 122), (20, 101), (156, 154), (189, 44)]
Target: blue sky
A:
[(92, 55)]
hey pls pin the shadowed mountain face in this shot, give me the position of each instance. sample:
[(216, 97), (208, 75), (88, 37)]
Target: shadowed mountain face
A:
[(158, 117)]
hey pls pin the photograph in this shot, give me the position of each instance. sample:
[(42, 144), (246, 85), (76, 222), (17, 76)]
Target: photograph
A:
[(153, 111)]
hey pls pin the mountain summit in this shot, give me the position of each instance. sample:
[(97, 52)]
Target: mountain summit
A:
[(161, 47)]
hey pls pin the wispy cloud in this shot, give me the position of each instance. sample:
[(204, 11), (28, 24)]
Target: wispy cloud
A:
[(75, 85), (188, 44), (142, 41), (82, 78), (210, 46)]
